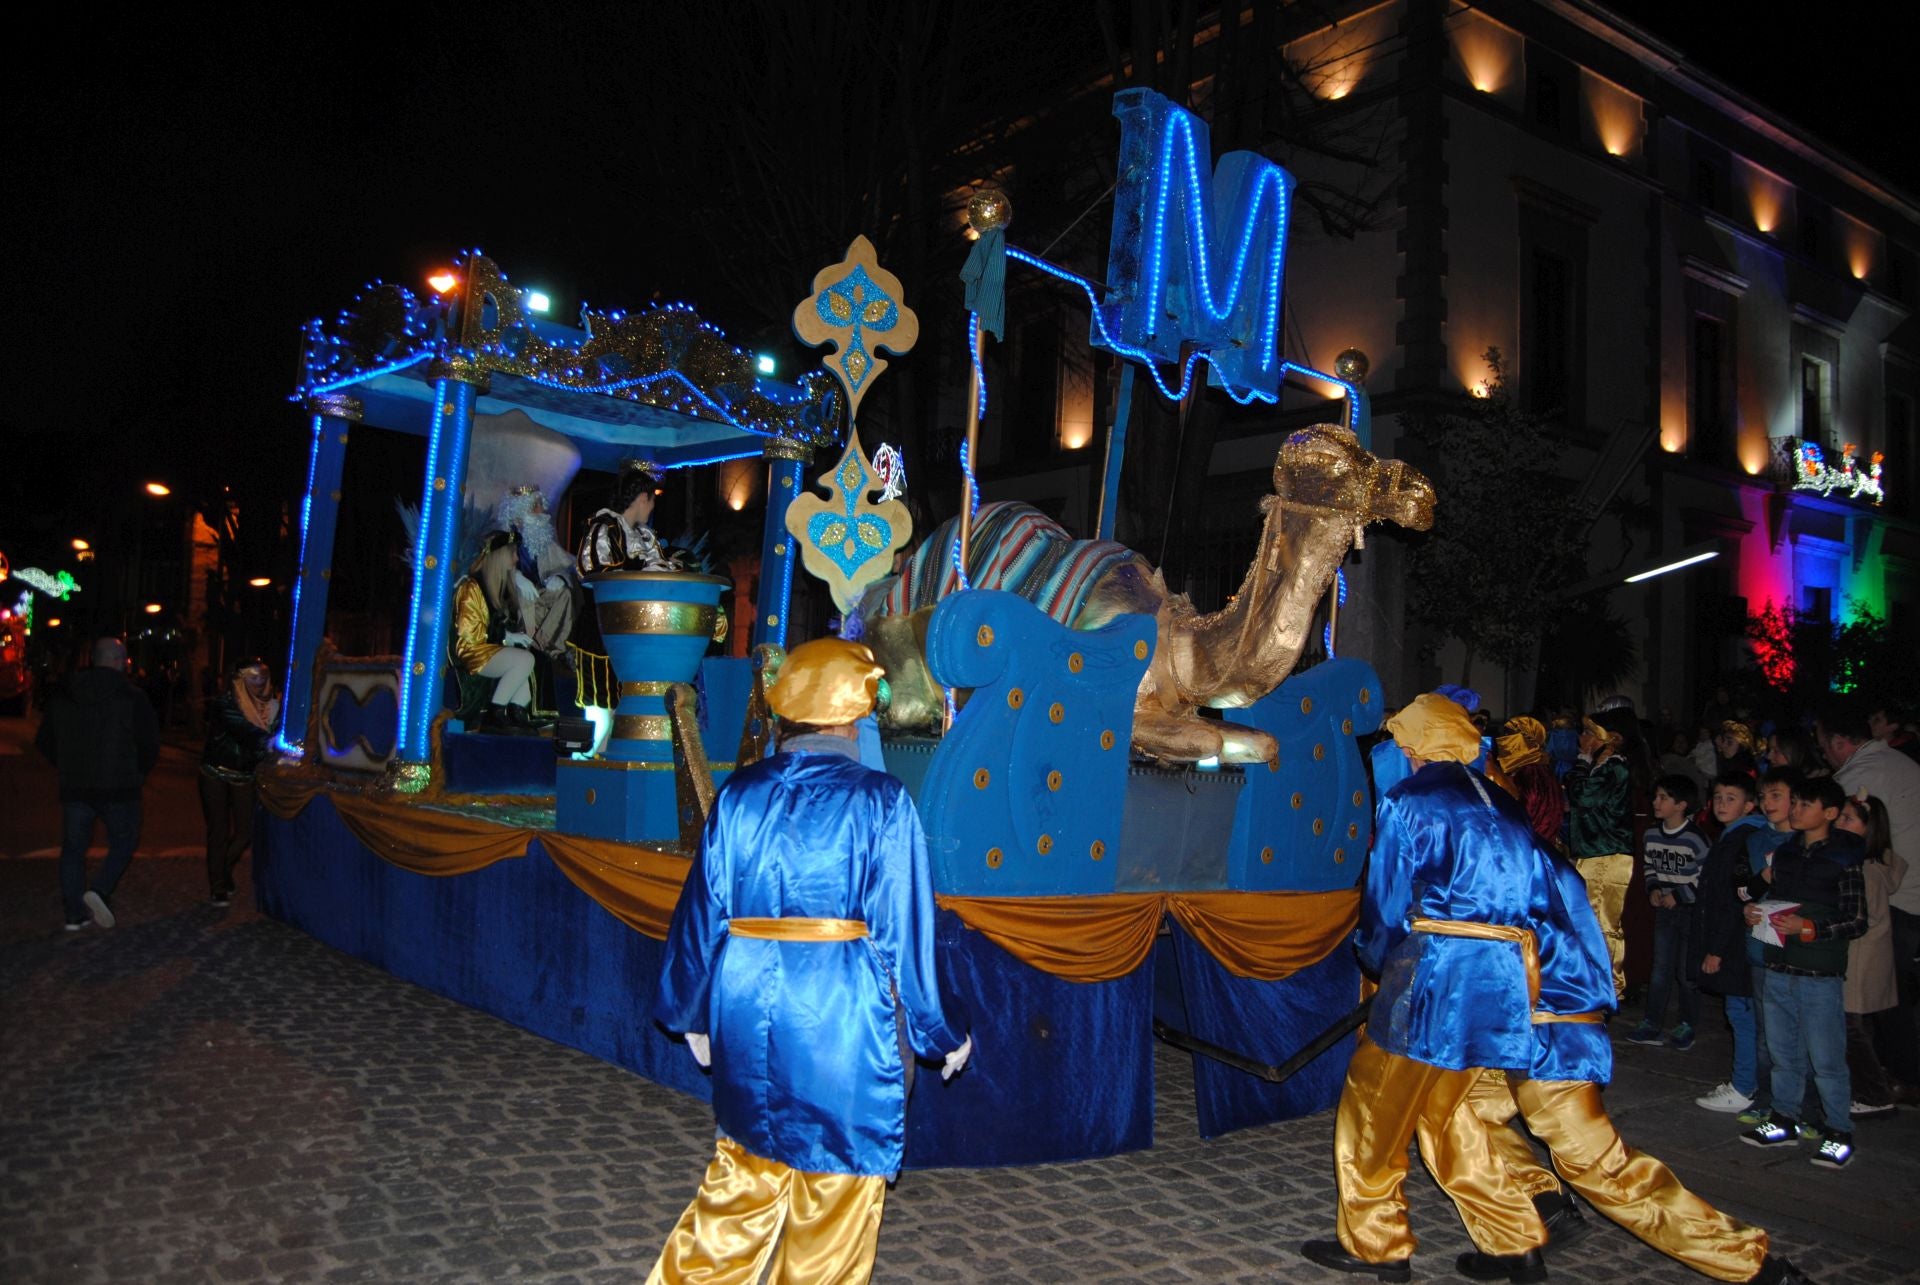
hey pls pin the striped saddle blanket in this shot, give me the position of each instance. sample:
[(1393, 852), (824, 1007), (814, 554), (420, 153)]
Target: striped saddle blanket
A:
[(1014, 547)]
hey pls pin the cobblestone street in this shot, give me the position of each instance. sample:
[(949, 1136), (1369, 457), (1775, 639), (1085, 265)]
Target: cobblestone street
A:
[(199, 1095)]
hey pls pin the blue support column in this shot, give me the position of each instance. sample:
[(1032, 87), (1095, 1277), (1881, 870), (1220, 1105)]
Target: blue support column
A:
[(786, 459), (435, 559), (333, 415)]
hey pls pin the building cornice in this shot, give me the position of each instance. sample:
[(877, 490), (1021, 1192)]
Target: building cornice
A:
[(1671, 66)]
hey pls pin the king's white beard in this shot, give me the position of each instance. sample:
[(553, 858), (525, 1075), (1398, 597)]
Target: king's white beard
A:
[(549, 555)]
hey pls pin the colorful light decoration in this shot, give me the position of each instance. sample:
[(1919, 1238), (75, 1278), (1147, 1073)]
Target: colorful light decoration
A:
[(54, 584), (1850, 479), (665, 357)]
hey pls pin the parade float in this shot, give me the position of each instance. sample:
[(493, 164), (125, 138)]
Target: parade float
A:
[(1137, 813)]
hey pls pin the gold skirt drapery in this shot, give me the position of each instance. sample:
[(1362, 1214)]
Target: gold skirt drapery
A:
[(1261, 935)]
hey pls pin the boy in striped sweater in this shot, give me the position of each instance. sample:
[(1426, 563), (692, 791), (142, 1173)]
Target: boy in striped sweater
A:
[(1675, 850)]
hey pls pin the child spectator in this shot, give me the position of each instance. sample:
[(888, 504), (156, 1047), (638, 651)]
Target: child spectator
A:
[(1719, 936), (1870, 978), (1818, 873), (1675, 850), (1776, 807)]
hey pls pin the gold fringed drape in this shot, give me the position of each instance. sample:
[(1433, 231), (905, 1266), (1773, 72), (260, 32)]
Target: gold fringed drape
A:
[(1261, 935), (638, 886)]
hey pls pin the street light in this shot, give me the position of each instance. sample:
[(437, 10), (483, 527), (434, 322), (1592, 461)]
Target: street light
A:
[(154, 609), (79, 545), (1672, 566), (159, 489), (260, 582)]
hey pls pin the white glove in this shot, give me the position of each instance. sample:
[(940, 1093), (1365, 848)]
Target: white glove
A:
[(957, 1060), (701, 1047), (516, 640)]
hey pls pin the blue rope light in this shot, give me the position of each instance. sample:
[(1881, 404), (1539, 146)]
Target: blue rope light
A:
[(1268, 184), (966, 456), (1147, 359), (420, 554), (360, 378)]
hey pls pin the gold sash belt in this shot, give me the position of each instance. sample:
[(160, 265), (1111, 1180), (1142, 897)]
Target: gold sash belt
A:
[(1521, 937), (797, 928), (1529, 955)]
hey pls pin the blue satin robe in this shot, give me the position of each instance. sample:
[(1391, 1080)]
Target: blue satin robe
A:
[(1449, 846), (807, 1066)]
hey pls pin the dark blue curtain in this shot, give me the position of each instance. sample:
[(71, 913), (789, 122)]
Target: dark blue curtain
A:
[(1268, 1021), (1061, 1070), (516, 939)]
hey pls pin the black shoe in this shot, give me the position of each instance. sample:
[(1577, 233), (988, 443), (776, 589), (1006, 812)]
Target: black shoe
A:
[(1566, 1225), (223, 899), (1328, 1254), (1530, 1266), (1778, 1271), (499, 720)]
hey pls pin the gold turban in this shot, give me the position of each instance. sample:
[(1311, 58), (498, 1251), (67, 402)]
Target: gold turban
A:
[(1738, 731), (1436, 729), (1523, 745), (825, 682), (1601, 734)]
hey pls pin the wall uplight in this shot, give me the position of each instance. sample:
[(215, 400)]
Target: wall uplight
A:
[(1767, 195), (738, 482), (442, 282), (1491, 56), (1618, 117), (260, 582), (537, 301), (159, 489)]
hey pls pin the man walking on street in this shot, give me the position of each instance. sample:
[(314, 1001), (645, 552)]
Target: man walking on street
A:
[(100, 732), (800, 966)]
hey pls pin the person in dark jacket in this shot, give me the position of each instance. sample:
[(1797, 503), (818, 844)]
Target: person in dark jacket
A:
[(1814, 894), (100, 732), (239, 729), (1718, 960)]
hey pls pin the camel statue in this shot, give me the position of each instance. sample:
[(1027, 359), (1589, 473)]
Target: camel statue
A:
[(1326, 489)]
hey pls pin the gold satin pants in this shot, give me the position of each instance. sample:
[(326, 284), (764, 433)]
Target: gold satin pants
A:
[(1608, 880), (816, 1227), (1386, 1100), (1455, 1156), (1631, 1188)]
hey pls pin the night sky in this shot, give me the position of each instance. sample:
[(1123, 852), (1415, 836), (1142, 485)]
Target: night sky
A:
[(183, 193)]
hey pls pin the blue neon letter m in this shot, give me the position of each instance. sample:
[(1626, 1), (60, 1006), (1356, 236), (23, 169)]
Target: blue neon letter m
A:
[(1195, 262)]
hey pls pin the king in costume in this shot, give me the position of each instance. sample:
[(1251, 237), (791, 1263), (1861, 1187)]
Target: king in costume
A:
[(1490, 959), (808, 909)]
